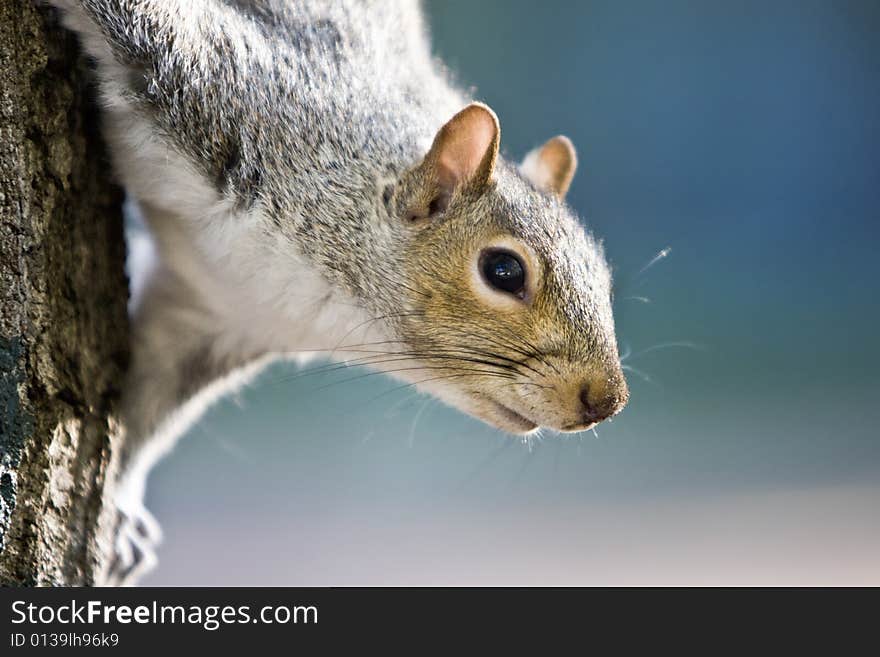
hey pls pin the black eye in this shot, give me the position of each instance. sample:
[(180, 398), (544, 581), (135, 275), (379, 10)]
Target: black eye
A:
[(504, 271)]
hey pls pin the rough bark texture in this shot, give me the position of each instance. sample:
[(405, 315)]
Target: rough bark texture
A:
[(63, 323)]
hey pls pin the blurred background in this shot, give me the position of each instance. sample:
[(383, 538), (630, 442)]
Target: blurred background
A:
[(745, 137)]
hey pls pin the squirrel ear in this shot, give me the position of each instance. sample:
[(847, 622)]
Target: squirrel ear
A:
[(463, 153), (551, 167), (465, 149)]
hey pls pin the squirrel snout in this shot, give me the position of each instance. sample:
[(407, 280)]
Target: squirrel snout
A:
[(599, 401)]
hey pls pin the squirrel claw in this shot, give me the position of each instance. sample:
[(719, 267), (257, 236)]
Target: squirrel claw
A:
[(137, 536)]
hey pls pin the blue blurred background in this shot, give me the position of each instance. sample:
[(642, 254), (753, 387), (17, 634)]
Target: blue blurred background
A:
[(746, 137)]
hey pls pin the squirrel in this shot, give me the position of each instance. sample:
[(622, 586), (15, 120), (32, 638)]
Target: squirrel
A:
[(309, 172)]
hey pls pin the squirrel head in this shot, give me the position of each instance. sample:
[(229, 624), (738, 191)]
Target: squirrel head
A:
[(506, 310)]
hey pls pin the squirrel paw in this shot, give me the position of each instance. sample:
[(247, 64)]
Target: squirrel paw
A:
[(137, 536)]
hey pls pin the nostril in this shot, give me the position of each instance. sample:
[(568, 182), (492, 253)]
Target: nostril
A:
[(590, 414), (598, 407)]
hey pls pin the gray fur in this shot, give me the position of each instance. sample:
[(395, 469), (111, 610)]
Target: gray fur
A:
[(275, 147)]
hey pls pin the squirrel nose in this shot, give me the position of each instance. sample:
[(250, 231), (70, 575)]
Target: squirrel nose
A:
[(601, 402)]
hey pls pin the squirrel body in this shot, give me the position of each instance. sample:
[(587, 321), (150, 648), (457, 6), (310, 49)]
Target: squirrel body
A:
[(314, 184)]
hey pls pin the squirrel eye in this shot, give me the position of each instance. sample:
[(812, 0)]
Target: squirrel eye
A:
[(504, 271)]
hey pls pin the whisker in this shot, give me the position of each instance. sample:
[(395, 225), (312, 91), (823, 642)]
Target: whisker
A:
[(513, 362), (670, 345), (417, 383), (527, 461), (528, 383), (400, 283), (534, 354), (462, 372), (373, 320), (381, 357), (391, 411), (487, 461), (638, 373), (412, 429), (653, 261)]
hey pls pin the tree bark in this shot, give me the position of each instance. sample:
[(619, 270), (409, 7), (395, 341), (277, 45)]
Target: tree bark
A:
[(63, 321)]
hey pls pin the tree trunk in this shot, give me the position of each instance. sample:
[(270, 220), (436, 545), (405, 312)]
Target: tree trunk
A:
[(63, 322)]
